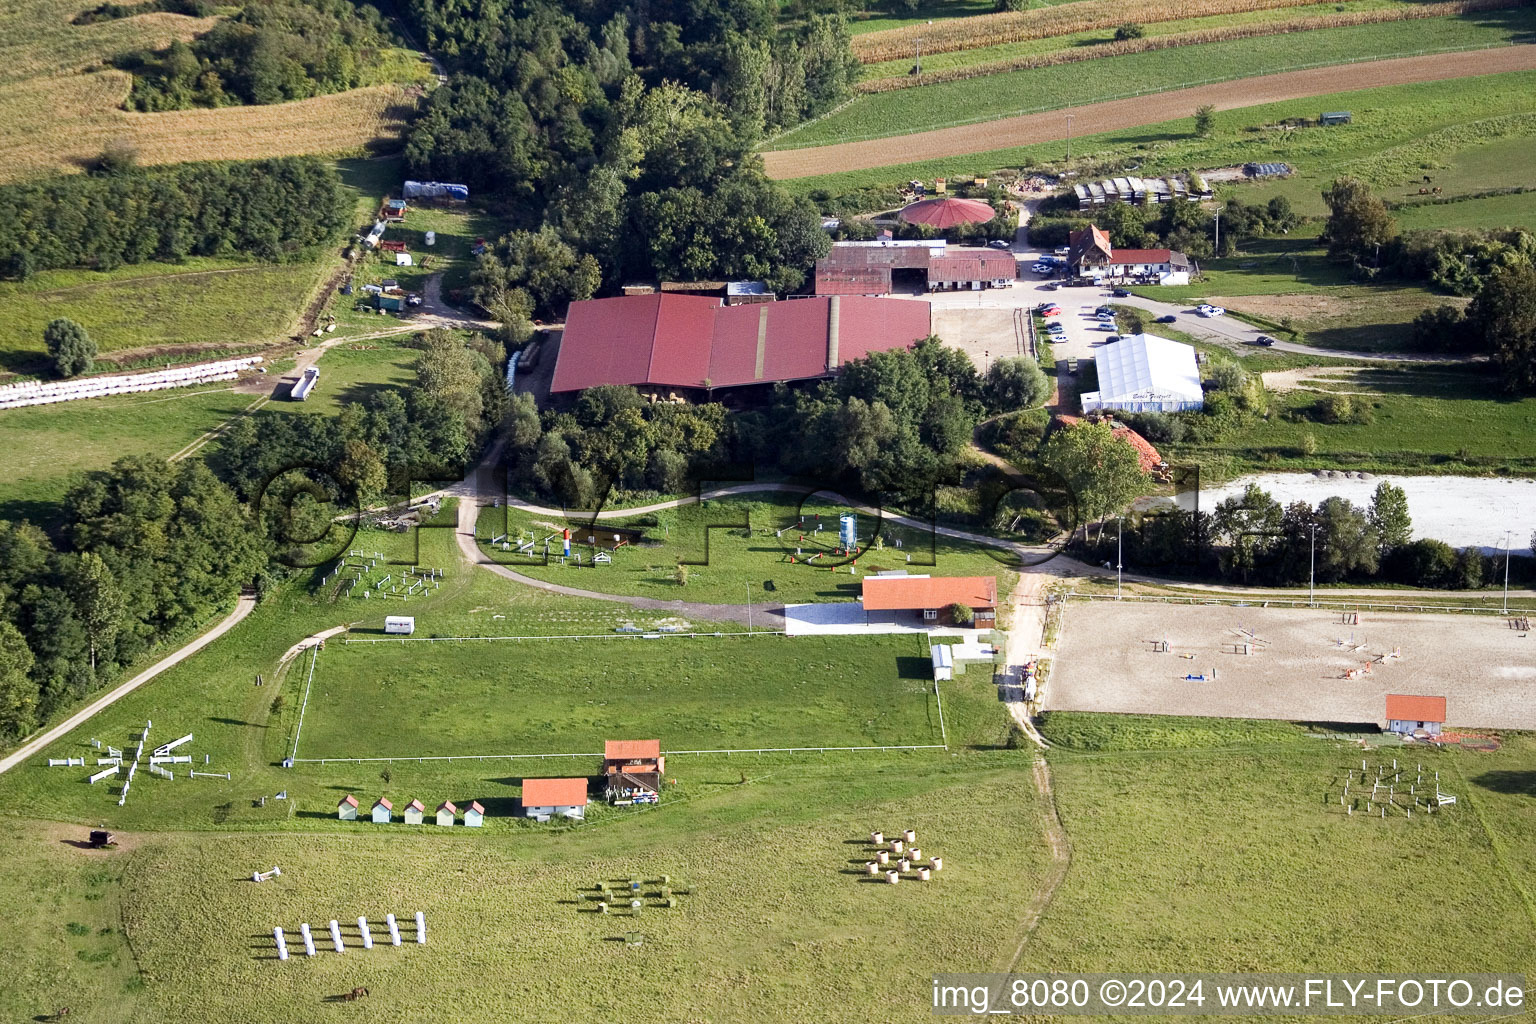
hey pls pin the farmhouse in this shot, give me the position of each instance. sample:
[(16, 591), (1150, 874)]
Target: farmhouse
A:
[(1413, 716), (1091, 255), (929, 598), (1145, 373), (632, 770), (884, 267), (545, 798), (383, 811), (688, 341), (414, 812)]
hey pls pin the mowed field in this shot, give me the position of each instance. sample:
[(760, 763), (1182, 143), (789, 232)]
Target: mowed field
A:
[(420, 698), (1106, 662), (1117, 115), (61, 102)]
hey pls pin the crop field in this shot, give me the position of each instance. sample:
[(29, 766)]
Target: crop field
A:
[(420, 698), (60, 106), (1386, 116), (1420, 421), (734, 551)]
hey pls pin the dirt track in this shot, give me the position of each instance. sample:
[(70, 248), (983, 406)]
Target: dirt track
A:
[(1116, 115)]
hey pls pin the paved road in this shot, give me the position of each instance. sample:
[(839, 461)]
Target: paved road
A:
[(243, 607)]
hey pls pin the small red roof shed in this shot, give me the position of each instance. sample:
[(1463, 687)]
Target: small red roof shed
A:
[(349, 800), (1403, 708), (554, 792)]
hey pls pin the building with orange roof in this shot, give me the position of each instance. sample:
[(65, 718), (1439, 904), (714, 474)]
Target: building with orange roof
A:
[(632, 770), (929, 599), (1410, 716), (545, 798)]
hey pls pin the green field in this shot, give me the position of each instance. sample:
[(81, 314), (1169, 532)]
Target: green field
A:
[(198, 309), (44, 447), (1507, 211), (1423, 420), (930, 107), (730, 564), (568, 696)]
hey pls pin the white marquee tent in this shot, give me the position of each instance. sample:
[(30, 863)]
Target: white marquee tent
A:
[(1145, 373)]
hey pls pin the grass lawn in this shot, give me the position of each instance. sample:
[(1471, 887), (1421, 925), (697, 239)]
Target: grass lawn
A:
[(1509, 211), (44, 447), (1423, 420), (353, 371), (198, 309), (733, 554), (930, 107), (567, 696)]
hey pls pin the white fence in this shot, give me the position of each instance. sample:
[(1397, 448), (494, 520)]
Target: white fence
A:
[(25, 393)]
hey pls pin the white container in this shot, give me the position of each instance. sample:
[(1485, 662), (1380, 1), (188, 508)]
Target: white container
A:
[(897, 846), (893, 877), (909, 835), (904, 864), (923, 874), (877, 838), (938, 863), (915, 854), (872, 868)]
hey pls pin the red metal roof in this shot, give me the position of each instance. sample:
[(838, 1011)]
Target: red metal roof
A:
[(908, 593), (684, 340), (415, 805), (973, 266), (554, 792), (1402, 708), (447, 805), (474, 805), (349, 799), (631, 750), (948, 212), (1124, 256), (384, 803)]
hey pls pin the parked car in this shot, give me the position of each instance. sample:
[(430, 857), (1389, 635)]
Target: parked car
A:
[(1167, 318), (1120, 293), (1264, 339), (1111, 339), (1062, 250), (1110, 326), (1209, 311), (998, 243), (1055, 329)]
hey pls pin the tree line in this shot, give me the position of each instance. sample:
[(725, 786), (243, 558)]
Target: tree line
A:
[(893, 424), (269, 51), (147, 550), (1253, 539), (269, 209)]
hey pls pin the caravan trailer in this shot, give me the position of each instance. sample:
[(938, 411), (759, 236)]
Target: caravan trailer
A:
[(400, 625)]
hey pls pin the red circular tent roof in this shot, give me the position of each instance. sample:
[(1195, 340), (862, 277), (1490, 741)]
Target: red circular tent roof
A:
[(946, 213)]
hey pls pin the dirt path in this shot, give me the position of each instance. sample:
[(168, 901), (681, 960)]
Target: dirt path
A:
[(1115, 115), (243, 607), (1308, 379), (1061, 859)]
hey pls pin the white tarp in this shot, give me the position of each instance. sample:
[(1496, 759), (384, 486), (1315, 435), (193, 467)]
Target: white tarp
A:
[(1145, 373)]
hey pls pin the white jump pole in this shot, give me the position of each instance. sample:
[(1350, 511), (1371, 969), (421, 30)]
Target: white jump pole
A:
[(309, 940), (421, 927), (394, 929), (362, 926), (282, 943), (336, 936)]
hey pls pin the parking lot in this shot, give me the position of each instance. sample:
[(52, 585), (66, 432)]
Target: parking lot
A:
[(1298, 669)]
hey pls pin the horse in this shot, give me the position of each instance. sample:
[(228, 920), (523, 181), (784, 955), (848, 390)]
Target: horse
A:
[(356, 994)]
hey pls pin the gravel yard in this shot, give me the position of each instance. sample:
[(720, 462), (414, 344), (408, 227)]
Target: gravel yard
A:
[(1107, 661)]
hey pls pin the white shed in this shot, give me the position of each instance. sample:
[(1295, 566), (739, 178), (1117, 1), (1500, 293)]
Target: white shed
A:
[(383, 811), (446, 812), (346, 808), (474, 815), (403, 259), (403, 625), (1145, 373), (414, 812), (943, 663)]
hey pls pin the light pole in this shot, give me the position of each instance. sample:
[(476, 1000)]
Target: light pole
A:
[(1069, 138), (1218, 234), (1312, 571), (1507, 535), (748, 586), (1119, 551)]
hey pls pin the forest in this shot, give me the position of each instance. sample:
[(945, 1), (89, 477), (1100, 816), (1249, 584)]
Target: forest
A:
[(625, 133), (269, 51), (269, 209)]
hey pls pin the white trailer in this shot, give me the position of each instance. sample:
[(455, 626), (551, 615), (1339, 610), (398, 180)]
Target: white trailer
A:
[(402, 625)]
